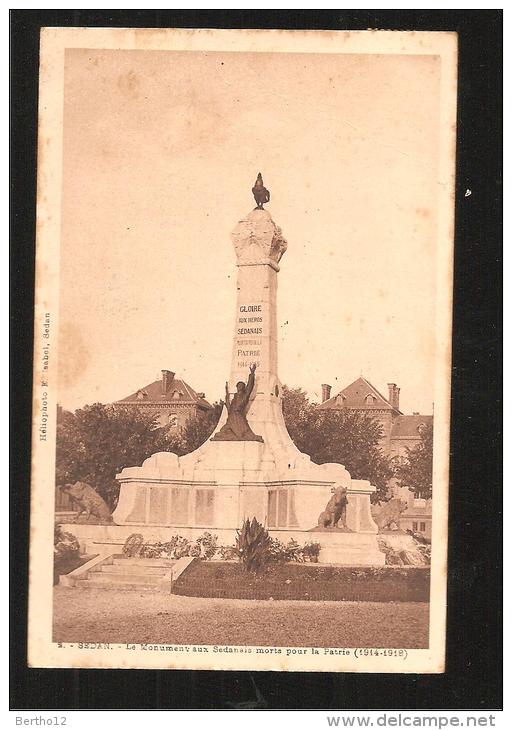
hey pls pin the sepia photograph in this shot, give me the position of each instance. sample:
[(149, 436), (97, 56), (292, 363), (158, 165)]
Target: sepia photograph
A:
[(242, 349)]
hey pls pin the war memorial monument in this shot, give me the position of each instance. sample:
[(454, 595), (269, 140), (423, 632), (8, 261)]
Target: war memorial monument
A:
[(249, 467)]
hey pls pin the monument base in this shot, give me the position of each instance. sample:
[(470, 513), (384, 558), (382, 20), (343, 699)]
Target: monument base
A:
[(225, 482), (348, 548), (337, 548)]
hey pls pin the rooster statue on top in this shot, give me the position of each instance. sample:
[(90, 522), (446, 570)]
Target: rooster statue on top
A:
[(260, 192)]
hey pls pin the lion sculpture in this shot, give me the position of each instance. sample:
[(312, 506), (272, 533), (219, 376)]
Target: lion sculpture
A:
[(389, 514), (87, 499), (335, 512)]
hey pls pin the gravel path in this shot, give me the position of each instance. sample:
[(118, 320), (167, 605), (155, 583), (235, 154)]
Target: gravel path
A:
[(96, 615)]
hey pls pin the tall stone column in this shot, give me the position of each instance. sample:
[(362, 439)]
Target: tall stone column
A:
[(259, 246)]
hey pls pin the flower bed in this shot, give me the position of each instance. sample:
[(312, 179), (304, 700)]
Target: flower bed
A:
[(309, 582), (205, 547)]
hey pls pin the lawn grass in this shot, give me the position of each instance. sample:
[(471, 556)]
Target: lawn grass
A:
[(309, 582), (98, 615)]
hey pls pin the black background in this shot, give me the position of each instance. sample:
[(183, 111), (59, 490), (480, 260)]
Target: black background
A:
[(473, 671)]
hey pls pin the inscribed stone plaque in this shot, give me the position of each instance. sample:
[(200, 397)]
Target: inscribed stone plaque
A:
[(138, 513), (204, 506), (179, 506), (158, 498)]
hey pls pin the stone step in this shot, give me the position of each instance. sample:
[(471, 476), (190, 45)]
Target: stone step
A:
[(125, 577), (148, 562), (136, 569), (117, 586)]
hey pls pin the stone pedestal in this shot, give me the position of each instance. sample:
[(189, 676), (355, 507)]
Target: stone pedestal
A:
[(348, 548), (223, 482)]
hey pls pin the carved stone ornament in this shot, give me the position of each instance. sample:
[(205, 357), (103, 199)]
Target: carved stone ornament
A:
[(257, 240)]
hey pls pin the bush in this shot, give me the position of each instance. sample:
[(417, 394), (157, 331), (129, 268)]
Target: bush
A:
[(311, 551), (177, 547), (281, 553), (254, 545), (228, 552), (207, 544), (66, 553), (65, 545), (292, 552)]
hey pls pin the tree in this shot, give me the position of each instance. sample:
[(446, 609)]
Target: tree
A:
[(347, 437), (416, 471), (97, 441), (195, 432), (299, 417)]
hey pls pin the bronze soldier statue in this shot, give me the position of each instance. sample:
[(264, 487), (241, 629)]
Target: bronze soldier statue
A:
[(236, 427), (260, 192)]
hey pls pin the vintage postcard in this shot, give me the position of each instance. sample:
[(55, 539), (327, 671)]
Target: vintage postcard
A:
[(240, 449)]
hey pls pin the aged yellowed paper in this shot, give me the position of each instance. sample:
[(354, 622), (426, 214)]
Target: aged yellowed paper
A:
[(242, 340)]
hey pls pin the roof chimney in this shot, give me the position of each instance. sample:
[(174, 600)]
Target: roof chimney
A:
[(394, 395), (326, 392), (167, 378)]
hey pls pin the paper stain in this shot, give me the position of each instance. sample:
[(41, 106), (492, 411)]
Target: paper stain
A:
[(129, 83), (423, 212), (74, 354)]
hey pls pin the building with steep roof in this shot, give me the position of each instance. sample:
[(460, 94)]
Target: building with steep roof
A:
[(399, 431), (173, 400)]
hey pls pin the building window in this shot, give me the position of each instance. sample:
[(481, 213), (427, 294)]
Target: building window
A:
[(422, 527), (172, 420), (369, 400), (281, 508), (176, 394), (415, 527), (204, 507)]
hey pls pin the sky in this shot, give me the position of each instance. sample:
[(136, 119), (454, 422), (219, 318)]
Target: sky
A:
[(160, 152)]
